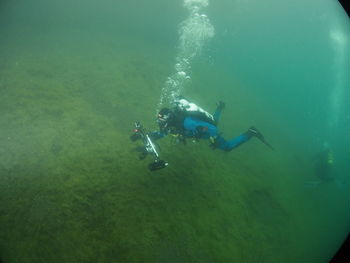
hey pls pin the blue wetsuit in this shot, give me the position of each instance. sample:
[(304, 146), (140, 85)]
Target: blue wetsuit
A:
[(196, 128)]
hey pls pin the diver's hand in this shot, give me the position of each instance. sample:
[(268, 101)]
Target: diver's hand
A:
[(213, 142)]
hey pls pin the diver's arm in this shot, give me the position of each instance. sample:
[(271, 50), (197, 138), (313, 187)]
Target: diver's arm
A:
[(156, 135)]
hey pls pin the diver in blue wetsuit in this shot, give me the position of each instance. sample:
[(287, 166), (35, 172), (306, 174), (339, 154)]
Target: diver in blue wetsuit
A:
[(187, 120)]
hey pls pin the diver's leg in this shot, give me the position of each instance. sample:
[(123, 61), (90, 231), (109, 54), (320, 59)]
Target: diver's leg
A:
[(217, 113), (233, 143), (221, 143)]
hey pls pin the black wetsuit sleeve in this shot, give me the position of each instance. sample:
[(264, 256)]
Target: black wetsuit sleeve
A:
[(156, 135)]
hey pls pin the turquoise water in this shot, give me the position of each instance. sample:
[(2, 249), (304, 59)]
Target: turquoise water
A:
[(75, 75)]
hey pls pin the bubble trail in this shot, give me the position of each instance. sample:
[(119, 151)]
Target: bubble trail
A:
[(339, 40), (194, 33)]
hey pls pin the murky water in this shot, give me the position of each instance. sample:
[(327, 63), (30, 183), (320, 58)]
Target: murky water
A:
[(76, 75)]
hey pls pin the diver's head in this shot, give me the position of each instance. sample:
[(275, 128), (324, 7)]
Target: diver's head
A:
[(164, 117)]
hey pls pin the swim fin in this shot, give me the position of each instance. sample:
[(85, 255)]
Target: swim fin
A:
[(252, 131)]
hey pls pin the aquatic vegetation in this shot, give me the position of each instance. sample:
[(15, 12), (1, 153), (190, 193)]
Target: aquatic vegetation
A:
[(72, 189)]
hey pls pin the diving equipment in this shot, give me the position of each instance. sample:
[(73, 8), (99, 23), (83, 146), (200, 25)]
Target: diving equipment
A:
[(148, 147), (252, 131), (193, 110)]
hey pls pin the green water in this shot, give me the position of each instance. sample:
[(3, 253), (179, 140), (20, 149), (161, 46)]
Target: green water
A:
[(75, 75)]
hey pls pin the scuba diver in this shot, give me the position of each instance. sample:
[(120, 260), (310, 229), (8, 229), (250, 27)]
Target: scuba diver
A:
[(187, 120), (323, 163), (323, 166)]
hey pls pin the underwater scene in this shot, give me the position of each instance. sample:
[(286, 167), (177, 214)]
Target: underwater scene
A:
[(111, 146)]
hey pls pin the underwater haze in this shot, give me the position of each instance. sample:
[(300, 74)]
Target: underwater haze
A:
[(76, 74)]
